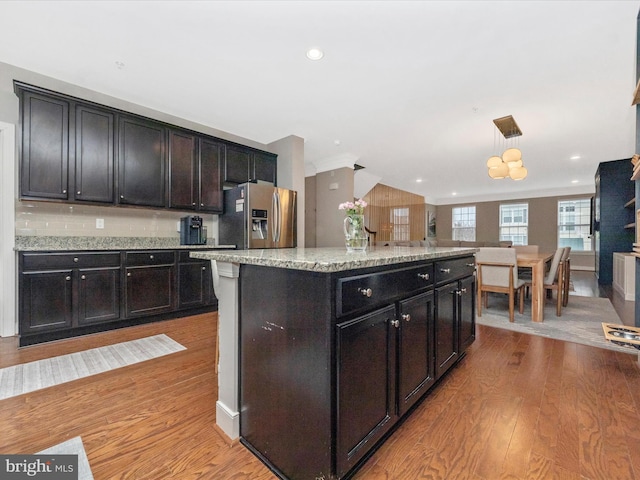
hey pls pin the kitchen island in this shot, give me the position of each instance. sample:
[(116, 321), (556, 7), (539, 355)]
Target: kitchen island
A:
[(323, 353)]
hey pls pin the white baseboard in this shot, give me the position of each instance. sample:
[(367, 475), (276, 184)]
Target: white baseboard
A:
[(227, 420)]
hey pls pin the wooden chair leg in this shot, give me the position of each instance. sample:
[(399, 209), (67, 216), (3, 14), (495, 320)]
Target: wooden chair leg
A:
[(511, 308), (559, 301), (521, 297), (479, 303)]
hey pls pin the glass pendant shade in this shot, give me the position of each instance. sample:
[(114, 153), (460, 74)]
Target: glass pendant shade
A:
[(501, 171), (518, 173), (511, 155), (494, 162)]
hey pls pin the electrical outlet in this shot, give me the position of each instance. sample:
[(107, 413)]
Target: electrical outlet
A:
[(178, 226), (99, 222)]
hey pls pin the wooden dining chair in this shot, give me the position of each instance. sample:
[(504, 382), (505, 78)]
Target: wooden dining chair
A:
[(553, 280), (497, 271), (566, 275)]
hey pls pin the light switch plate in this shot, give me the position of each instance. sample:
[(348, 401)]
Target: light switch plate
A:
[(99, 222)]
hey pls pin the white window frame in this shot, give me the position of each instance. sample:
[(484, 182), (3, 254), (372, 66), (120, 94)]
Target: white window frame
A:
[(575, 230), (517, 229), (463, 223)]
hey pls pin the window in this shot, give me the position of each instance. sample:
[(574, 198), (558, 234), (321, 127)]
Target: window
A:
[(514, 223), (574, 221), (400, 222), (463, 223)]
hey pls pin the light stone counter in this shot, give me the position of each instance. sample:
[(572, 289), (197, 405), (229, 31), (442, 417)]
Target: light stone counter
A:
[(329, 260), (50, 244)]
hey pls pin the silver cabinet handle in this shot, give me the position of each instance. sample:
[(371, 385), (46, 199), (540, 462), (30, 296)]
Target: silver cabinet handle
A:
[(151, 257), (204, 268), (67, 278), (461, 292), (75, 259), (395, 323), (406, 317), (128, 274), (83, 277), (424, 276), (367, 292), (79, 192), (471, 264), (445, 270), (122, 197), (64, 191)]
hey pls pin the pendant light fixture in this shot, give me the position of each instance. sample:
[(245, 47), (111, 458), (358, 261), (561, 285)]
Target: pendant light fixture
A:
[(510, 164)]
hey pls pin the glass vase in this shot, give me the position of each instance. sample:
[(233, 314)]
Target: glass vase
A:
[(354, 233)]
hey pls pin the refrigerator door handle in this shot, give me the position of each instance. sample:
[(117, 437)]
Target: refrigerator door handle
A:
[(275, 227)]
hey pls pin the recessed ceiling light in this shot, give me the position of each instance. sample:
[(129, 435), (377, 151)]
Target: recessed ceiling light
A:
[(575, 157), (575, 181), (454, 193), (418, 180), (315, 54)]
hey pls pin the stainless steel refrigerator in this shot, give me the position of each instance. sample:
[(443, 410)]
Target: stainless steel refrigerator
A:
[(258, 216)]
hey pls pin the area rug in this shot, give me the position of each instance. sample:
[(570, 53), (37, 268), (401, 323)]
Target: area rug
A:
[(73, 446), (581, 320), (27, 377)]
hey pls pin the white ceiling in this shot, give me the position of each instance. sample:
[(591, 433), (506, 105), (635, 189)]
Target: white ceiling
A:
[(408, 89)]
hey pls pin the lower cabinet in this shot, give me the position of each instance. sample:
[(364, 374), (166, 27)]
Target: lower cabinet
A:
[(351, 353), (366, 380), (63, 294)]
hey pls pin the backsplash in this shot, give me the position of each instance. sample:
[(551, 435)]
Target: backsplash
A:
[(60, 219)]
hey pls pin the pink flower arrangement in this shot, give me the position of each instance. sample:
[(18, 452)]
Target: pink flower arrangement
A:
[(353, 208)]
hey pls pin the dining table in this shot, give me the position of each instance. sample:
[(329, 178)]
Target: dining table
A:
[(535, 261)]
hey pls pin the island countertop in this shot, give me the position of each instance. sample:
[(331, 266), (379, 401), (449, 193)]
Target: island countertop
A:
[(334, 259)]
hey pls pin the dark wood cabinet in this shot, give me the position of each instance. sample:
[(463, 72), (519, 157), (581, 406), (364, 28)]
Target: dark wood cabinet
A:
[(366, 382), (64, 294), (194, 280), (415, 349), (149, 282), (45, 147), (66, 290), (46, 300), (74, 150), (98, 295), (349, 352), (94, 155), (246, 165), (195, 173), (142, 168)]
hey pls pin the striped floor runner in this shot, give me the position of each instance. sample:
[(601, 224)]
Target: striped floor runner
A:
[(27, 377)]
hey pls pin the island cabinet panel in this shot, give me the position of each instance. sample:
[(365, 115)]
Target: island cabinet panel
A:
[(286, 370), (141, 162), (330, 362), (45, 147), (415, 349), (366, 381)]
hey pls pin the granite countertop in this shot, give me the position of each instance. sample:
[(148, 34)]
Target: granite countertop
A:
[(332, 259), (47, 244)]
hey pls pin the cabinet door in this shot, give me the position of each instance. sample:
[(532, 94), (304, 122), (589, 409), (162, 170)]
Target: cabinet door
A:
[(365, 384), (184, 171), (236, 164), (149, 290), (46, 301), (415, 350), (93, 155), (142, 166), (211, 154), (446, 327), (45, 147), (98, 295), (194, 284), (467, 312), (264, 167)]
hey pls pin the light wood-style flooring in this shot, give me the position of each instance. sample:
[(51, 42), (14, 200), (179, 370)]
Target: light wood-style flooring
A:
[(517, 407)]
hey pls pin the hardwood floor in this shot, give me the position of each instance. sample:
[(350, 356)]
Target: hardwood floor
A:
[(517, 407)]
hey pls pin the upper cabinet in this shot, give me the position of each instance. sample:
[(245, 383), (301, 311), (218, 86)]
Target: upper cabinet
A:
[(195, 172), (243, 164), (77, 151), (45, 147), (141, 162)]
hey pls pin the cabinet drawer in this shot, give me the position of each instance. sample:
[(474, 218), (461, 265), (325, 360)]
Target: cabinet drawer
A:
[(372, 290), (42, 261), (155, 257), (447, 270)]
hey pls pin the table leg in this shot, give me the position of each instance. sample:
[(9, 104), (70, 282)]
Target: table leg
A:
[(537, 292)]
